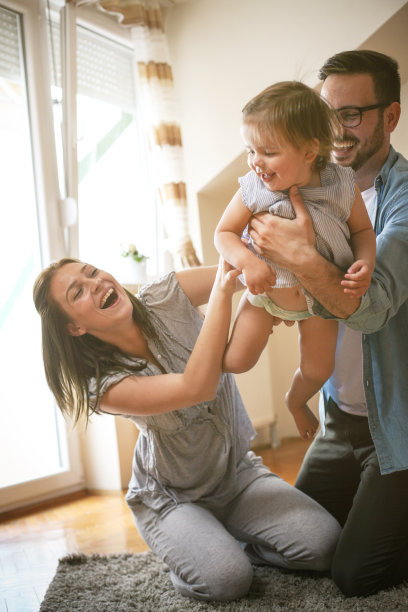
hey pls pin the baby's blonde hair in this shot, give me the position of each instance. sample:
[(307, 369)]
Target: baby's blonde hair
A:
[(295, 112)]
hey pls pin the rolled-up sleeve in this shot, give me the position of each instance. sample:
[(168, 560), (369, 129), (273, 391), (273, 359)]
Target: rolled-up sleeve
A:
[(389, 285)]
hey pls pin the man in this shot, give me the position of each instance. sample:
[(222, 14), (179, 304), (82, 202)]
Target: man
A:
[(357, 466)]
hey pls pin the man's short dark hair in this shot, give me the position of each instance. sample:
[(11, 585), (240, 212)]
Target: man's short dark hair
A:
[(382, 68)]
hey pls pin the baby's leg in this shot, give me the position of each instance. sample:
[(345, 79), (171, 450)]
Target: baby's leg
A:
[(317, 342), (252, 328)]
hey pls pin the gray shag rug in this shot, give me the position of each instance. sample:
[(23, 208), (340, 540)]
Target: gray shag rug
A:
[(126, 582)]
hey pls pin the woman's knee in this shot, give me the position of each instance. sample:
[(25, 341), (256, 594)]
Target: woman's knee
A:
[(232, 582), (321, 543), (213, 582), (313, 550), (321, 535)]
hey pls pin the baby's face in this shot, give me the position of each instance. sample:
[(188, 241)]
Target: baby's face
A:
[(277, 163)]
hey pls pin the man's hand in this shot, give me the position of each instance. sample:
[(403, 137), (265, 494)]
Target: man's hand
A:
[(291, 244), (285, 242)]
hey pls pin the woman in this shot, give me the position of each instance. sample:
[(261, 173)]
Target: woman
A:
[(196, 491)]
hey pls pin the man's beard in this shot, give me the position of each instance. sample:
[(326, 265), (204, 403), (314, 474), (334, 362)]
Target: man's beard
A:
[(370, 148)]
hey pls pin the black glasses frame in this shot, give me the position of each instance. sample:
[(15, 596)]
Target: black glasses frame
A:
[(361, 110)]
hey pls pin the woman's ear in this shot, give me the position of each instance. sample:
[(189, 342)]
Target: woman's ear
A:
[(75, 330)]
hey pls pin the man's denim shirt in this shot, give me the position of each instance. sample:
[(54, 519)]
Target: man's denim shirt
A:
[(383, 318)]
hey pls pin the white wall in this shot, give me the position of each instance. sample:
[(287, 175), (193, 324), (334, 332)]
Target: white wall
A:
[(399, 138), (107, 452), (100, 457), (225, 51)]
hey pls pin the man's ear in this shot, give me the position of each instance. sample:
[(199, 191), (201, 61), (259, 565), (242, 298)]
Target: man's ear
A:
[(391, 116), (75, 330)]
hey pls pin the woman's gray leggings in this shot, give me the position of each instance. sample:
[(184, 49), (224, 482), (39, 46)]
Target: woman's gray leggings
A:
[(209, 552)]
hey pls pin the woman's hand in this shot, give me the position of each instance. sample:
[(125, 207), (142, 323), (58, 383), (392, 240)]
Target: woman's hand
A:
[(227, 277)]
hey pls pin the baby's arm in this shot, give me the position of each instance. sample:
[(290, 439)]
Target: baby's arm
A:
[(259, 276), (362, 238)]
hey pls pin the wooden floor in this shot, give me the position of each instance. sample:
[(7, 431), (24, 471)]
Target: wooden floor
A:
[(31, 544)]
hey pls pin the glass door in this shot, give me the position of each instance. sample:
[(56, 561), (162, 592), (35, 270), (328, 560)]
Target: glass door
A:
[(36, 456)]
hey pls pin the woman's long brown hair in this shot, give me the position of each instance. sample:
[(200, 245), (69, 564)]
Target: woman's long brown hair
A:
[(70, 361)]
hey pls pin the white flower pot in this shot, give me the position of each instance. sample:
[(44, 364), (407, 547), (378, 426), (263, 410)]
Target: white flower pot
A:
[(133, 272)]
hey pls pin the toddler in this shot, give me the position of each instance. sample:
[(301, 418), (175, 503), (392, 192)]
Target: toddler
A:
[(288, 131)]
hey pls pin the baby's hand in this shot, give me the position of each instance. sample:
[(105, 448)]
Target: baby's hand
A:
[(259, 276), (357, 279), (306, 421)]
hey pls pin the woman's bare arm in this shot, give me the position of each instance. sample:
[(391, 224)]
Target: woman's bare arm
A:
[(143, 395), (197, 283)]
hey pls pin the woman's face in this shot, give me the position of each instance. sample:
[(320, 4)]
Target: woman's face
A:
[(93, 300)]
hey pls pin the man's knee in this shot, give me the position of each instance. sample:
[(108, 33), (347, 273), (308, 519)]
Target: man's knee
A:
[(351, 582)]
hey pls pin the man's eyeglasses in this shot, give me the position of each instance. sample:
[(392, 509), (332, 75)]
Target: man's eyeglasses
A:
[(351, 116)]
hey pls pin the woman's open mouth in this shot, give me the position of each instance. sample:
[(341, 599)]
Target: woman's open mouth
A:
[(109, 298)]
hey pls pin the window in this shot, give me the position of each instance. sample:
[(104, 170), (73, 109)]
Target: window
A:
[(117, 204), (39, 455), (36, 455), (116, 199)]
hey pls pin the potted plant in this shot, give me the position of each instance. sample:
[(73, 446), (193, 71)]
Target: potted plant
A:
[(135, 265)]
